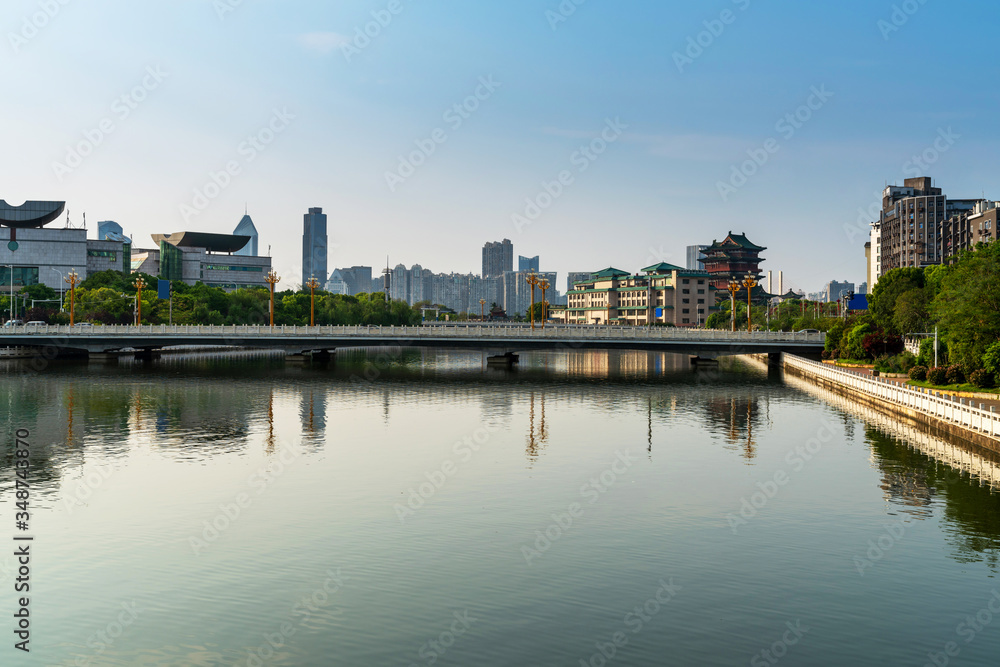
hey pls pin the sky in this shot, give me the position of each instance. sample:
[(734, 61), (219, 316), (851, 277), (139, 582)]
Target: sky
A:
[(591, 133)]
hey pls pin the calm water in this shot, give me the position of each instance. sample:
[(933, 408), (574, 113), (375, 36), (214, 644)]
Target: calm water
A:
[(421, 509)]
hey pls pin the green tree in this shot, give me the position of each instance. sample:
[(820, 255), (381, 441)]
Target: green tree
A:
[(882, 301), (968, 305), (912, 311)]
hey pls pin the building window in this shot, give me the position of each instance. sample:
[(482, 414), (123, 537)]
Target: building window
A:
[(221, 267), (685, 300), (103, 253), (23, 276), (686, 281)]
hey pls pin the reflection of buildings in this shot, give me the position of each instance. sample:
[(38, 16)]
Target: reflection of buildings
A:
[(735, 418), (625, 363)]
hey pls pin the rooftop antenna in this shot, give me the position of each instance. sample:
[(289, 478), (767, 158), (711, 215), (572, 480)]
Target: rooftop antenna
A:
[(268, 249)]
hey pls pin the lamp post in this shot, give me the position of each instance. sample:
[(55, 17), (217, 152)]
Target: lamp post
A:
[(544, 284), (62, 305), (734, 287), (749, 282), (272, 279), (11, 269), (312, 284), (532, 280), (140, 285), (73, 279), (482, 310)]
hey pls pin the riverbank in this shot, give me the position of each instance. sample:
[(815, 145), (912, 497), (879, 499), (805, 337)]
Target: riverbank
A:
[(979, 426)]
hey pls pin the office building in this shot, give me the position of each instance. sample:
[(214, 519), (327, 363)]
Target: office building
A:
[(247, 228), (696, 257), (336, 284), (574, 277), (517, 291), (193, 257), (358, 279), (965, 229), (314, 246), (498, 258), (834, 291), (527, 264), (662, 293)]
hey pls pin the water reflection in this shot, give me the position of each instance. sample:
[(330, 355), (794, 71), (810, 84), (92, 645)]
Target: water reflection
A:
[(736, 417), (536, 438)]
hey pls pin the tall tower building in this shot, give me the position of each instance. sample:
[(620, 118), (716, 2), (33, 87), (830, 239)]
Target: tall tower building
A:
[(314, 246), (696, 257), (247, 228), (527, 263), (498, 258)]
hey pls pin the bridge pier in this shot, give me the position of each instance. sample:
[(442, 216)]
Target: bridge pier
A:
[(503, 360), (103, 357), (311, 356)]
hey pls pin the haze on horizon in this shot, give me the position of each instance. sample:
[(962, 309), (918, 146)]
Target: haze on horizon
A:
[(283, 106)]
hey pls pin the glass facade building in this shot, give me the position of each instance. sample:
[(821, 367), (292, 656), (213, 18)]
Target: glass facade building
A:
[(314, 246)]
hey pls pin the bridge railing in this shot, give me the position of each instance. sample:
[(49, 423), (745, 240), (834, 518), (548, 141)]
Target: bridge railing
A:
[(916, 398), (245, 332)]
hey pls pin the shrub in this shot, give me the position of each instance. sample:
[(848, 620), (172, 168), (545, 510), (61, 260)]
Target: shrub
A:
[(955, 374), (918, 373), (982, 379), (880, 342), (991, 359), (900, 363), (926, 357), (826, 354), (937, 376)]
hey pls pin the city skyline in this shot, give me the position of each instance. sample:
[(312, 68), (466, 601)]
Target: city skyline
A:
[(307, 117)]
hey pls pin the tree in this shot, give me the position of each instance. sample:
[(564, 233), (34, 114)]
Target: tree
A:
[(882, 302), (912, 313), (968, 305)]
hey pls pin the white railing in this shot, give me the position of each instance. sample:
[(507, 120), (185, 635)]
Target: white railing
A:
[(928, 402), (243, 332)]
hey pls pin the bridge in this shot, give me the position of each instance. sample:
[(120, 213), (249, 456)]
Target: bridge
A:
[(500, 341)]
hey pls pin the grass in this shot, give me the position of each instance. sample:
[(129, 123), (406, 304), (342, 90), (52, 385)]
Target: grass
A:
[(953, 387)]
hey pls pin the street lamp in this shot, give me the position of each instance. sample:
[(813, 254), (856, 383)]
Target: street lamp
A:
[(73, 279), (734, 287), (140, 284), (312, 284), (11, 269), (482, 310), (272, 279), (532, 280), (749, 282), (62, 306), (544, 284)]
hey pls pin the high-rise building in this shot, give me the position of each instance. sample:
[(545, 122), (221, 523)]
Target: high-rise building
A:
[(247, 228), (696, 257), (111, 231), (517, 291), (575, 277), (965, 229), (498, 258), (527, 263), (336, 284), (834, 290), (358, 279), (314, 246)]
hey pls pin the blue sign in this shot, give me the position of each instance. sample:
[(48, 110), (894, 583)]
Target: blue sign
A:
[(163, 289), (659, 312), (859, 302)]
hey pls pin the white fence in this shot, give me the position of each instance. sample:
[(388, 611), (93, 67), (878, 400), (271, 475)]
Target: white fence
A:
[(958, 412), (241, 332)]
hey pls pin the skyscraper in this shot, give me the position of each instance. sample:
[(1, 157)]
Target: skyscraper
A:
[(498, 258), (527, 263), (110, 231), (695, 257), (246, 228), (314, 246)]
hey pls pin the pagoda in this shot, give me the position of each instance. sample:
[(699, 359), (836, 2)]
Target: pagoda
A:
[(731, 260)]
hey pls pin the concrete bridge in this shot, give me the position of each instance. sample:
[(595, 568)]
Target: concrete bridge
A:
[(496, 340)]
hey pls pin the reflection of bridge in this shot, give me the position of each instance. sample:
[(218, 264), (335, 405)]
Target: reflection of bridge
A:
[(502, 340)]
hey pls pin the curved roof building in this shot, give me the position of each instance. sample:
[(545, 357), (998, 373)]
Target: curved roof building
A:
[(30, 214), (218, 243)]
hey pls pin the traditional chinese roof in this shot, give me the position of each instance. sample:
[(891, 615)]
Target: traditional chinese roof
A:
[(662, 267), (735, 240), (610, 272)]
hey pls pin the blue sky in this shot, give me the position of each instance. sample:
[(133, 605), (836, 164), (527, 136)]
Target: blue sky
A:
[(333, 115)]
